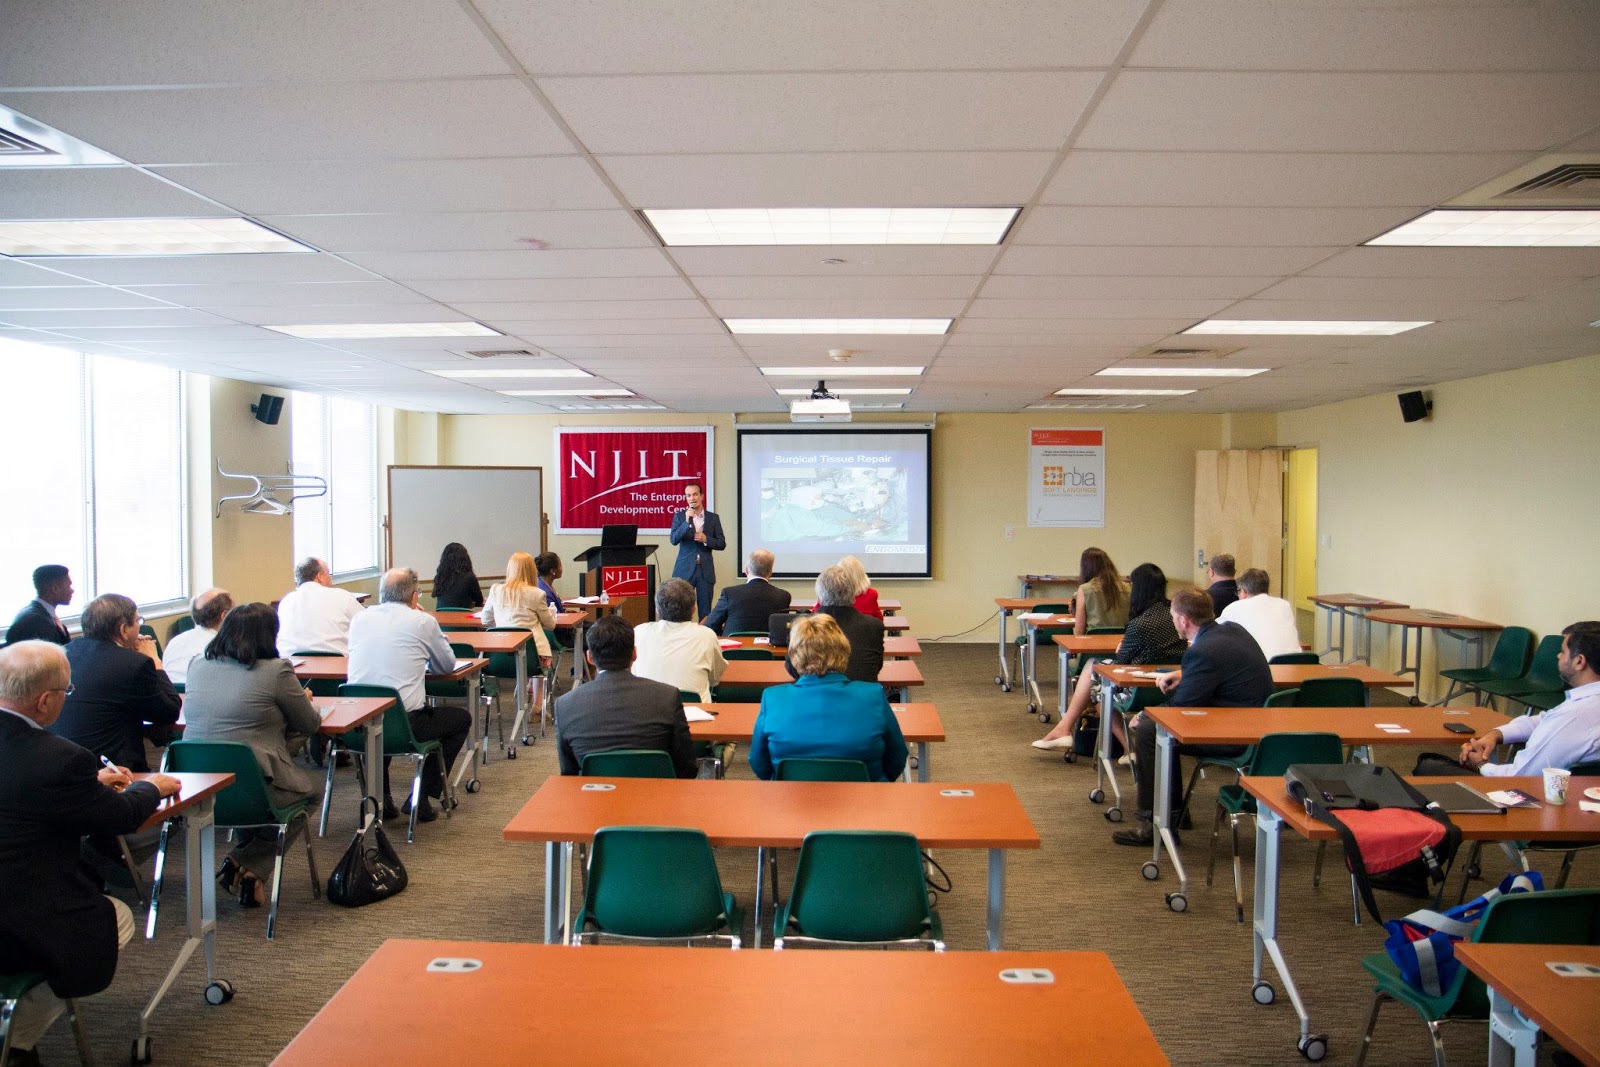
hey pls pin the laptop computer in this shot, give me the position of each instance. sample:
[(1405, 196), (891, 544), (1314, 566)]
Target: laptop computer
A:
[(620, 535), (1458, 799)]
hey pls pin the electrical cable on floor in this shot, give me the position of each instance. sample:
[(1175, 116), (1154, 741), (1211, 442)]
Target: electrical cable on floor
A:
[(963, 633)]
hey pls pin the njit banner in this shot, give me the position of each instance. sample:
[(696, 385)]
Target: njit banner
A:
[(625, 581), (628, 474), (1066, 477)]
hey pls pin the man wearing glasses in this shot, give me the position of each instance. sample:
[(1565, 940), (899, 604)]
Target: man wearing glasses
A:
[(119, 685)]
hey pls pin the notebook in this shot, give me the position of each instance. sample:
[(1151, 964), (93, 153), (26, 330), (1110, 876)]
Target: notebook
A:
[(1458, 799)]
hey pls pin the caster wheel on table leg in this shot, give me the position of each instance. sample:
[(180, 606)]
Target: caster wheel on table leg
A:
[(914, 763), (1069, 756), (999, 680), (473, 785), (219, 992), (1263, 993), (1314, 1048), (140, 1054), (1044, 716), (1415, 702), (1178, 902), (511, 752), (1096, 796), (1005, 687), (527, 739), (1150, 871), (1113, 815)]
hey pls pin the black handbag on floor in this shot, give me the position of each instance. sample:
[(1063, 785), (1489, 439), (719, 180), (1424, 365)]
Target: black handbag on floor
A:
[(369, 870)]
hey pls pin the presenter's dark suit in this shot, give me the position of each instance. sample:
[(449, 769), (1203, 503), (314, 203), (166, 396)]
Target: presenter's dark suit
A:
[(116, 691), (747, 607), (621, 710), (694, 564), (36, 622), (1223, 668), (865, 635), (53, 918)]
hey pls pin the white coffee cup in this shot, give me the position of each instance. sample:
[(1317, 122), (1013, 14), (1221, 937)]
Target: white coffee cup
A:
[(1556, 781)]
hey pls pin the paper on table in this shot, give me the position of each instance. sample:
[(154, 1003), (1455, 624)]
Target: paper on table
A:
[(697, 714), (1590, 806), (1035, 616), (462, 664), (1397, 730)]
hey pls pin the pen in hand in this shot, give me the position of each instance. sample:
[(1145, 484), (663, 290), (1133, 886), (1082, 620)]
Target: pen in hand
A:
[(119, 778)]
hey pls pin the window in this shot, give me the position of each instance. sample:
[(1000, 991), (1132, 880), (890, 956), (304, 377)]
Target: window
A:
[(337, 440), (96, 476)]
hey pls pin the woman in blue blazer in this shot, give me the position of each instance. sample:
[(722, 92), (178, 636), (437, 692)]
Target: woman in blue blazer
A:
[(824, 714)]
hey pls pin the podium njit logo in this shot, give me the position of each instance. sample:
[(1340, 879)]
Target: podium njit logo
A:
[(624, 581)]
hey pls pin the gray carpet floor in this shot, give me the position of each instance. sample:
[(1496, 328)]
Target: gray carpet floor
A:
[(1189, 973)]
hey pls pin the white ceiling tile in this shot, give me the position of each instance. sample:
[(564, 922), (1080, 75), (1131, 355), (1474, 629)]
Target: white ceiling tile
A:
[(1398, 308), (192, 41), (1100, 287), (1396, 262), (540, 184), (268, 294), (665, 37), (1210, 226), (545, 310), (205, 270), (228, 334), (838, 287), (586, 263), (829, 179), (978, 111), (464, 230), (299, 315), (858, 260), (1025, 310), (16, 272), (1158, 260), (492, 290), (64, 298), (94, 193), (1504, 287), (132, 317), (1185, 111), (1257, 35)]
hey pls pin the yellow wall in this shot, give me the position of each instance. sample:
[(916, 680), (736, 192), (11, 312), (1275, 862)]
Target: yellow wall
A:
[(1300, 522), (980, 466)]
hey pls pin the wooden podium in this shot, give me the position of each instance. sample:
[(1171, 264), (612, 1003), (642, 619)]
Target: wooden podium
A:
[(621, 566)]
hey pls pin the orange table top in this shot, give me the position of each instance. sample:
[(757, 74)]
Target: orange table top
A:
[(337, 668), (1547, 822), (1430, 619), (744, 813), (1091, 644), (343, 714), (1028, 603), (885, 605), (491, 640), (1355, 726), (594, 607), (898, 646), (468, 619), (1561, 1007), (896, 623), (194, 787), (625, 1004), (736, 722), (1284, 675), (1354, 600), (895, 673)]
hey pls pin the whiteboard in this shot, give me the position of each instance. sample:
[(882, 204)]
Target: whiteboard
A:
[(494, 511)]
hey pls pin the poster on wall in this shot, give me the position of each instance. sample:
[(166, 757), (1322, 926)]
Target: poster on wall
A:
[(628, 474), (1066, 477)]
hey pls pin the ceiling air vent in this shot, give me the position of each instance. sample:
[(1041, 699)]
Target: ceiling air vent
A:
[(502, 353), (1570, 181), (13, 143), (1184, 353), (1567, 181)]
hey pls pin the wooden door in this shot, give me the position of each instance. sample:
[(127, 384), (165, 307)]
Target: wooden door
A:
[(1238, 509)]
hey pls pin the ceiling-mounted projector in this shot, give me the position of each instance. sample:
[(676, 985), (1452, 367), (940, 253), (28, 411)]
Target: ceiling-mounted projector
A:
[(820, 406)]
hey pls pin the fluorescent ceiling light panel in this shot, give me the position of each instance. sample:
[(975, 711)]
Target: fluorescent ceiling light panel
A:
[(1502, 229), (567, 392), (1181, 372), (1122, 392), (832, 225), (879, 407), (610, 407), (353, 331), (142, 237), (1307, 327), (839, 326), (1084, 407), (848, 392), (546, 372), (838, 371)]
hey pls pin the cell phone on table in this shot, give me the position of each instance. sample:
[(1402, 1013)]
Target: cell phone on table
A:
[(1458, 728)]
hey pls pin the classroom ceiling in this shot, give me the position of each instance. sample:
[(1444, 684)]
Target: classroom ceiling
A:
[(1174, 161)]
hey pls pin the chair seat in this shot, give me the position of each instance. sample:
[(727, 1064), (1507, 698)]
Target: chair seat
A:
[(1392, 984), (14, 986), (1235, 801), (1469, 675), (1542, 701), (731, 921)]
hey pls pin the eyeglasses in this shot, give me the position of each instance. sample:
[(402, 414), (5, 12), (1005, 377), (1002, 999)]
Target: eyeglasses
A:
[(67, 689)]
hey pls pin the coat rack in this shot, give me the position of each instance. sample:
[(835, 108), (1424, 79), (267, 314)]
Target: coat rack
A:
[(262, 500)]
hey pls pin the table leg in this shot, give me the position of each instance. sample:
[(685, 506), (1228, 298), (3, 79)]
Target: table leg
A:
[(1003, 679), (761, 873), (522, 702), (997, 897), (1344, 617), (1406, 666), (923, 774), (469, 755), (564, 920), (552, 896), (1105, 769), (1366, 641), (201, 907), (1264, 930), (1068, 683), (1037, 700), (375, 767), (1166, 757), (1513, 1039), (577, 652)]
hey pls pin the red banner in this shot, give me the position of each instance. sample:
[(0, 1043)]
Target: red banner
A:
[(625, 581), (607, 475)]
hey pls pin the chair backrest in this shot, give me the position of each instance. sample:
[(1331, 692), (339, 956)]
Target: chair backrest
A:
[(1583, 770), (1275, 753), (1286, 698), (1046, 632), (245, 802), (150, 631), (450, 607), (179, 625), (1306, 658), (653, 881), (1511, 652), (858, 885), (1095, 631), (764, 652), (820, 769), (689, 696), (628, 763), (1542, 673), (1553, 917), (1332, 693), (748, 633), (397, 736)]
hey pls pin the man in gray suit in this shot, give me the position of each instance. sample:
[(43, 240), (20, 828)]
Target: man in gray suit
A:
[(619, 709)]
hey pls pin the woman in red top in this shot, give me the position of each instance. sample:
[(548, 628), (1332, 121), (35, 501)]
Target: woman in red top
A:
[(866, 600)]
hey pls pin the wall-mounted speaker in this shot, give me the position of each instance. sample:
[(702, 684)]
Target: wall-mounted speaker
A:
[(1414, 407), (269, 409)]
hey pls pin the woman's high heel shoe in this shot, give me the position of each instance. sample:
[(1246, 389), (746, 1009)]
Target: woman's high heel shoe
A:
[(228, 876)]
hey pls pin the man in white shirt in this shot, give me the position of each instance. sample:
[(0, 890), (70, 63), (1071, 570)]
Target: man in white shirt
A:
[(1269, 619), (675, 649), (396, 644), (207, 610), (315, 616)]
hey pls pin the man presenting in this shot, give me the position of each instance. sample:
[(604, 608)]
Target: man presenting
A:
[(697, 533), (37, 621), (1224, 668), (1269, 619), (749, 606)]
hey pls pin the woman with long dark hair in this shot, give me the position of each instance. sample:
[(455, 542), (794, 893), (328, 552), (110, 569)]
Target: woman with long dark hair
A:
[(454, 583), (1101, 602)]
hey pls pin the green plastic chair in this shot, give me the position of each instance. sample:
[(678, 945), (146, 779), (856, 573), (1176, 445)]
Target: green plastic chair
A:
[(1331, 693), (862, 888), (398, 740), (243, 805), (765, 653), (1539, 701), (321, 687), (1020, 642), (1307, 659), (1507, 662), (747, 633), (179, 625), (742, 694), (807, 769), (1271, 756), (655, 884), (1541, 676), (716, 755), (503, 667), (451, 607), (1554, 917), (150, 631), (628, 763), (1283, 698), (13, 987)]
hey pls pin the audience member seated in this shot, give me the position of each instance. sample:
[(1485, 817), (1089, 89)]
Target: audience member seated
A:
[(1148, 638), (240, 690), (118, 685), (1269, 619), (1223, 589), (53, 918), (824, 714), (751, 604), (37, 621), (548, 564), (1223, 668), (619, 709), (396, 644), (207, 610), (518, 601), (866, 599), (315, 616), (454, 583), (675, 649), (836, 593), (1101, 602), (1566, 735)]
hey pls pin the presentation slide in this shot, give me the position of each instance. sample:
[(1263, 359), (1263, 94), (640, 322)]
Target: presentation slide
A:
[(814, 495)]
